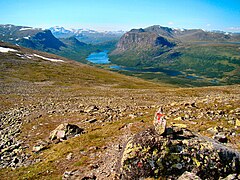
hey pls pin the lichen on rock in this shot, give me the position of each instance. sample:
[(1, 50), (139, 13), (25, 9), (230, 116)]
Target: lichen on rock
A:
[(148, 154)]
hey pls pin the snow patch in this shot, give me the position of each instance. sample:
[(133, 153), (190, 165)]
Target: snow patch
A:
[(20, 55), (25, 28), (49, 59), (27, 37), (5, 50), (29, 56)]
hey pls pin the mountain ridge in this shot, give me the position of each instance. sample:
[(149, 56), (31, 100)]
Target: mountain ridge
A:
[(194, 53), (44, 40), (86, 35)]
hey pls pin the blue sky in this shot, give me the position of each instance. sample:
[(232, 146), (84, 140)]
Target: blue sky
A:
[(123, 14)]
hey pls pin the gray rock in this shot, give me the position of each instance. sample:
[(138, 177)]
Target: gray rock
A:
[(148, 154), (65, 131)]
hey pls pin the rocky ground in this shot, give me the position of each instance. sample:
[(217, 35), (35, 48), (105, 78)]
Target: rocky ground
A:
[(215, 116), (22, 127), (108, 107)]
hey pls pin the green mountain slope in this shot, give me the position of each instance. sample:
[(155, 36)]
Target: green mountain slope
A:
[(43, 40), (204, 57)]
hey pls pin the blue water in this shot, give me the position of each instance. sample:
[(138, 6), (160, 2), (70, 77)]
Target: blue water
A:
[(99, 57), (102, 58)]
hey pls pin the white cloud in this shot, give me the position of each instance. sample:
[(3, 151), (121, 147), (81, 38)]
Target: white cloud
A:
[(208, 25), (234, 28), (170, 23)]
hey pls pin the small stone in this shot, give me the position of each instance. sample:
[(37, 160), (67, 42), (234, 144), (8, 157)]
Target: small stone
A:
[(132, 116), (92, 120), (37, 148), (238, 123), (186, 116), (91, 109), (69, 156)]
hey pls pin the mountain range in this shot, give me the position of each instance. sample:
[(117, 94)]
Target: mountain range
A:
[(86, 35), (194, 53), (199, 57), (44, 40)]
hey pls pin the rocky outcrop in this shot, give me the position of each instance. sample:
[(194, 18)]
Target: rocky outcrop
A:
[(148, 154), (65, 131), (136, 39)]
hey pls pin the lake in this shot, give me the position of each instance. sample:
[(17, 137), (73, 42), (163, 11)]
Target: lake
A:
[(99, 57), (102, 58)]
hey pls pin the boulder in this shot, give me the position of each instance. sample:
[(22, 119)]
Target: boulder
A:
[(150, 155), (65, 131)]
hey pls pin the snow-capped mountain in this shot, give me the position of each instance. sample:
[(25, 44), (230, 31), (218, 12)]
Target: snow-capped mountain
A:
[(58, 29), (86, 35), (64, 32)]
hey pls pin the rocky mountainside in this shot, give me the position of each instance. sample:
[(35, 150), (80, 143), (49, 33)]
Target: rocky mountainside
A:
[(140, 38), (63, 119), (193, 53), (29, 37), (152, 34)]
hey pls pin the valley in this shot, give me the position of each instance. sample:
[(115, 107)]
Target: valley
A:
[(38, 93), (204, 58), (111, 91), (186, 58)]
